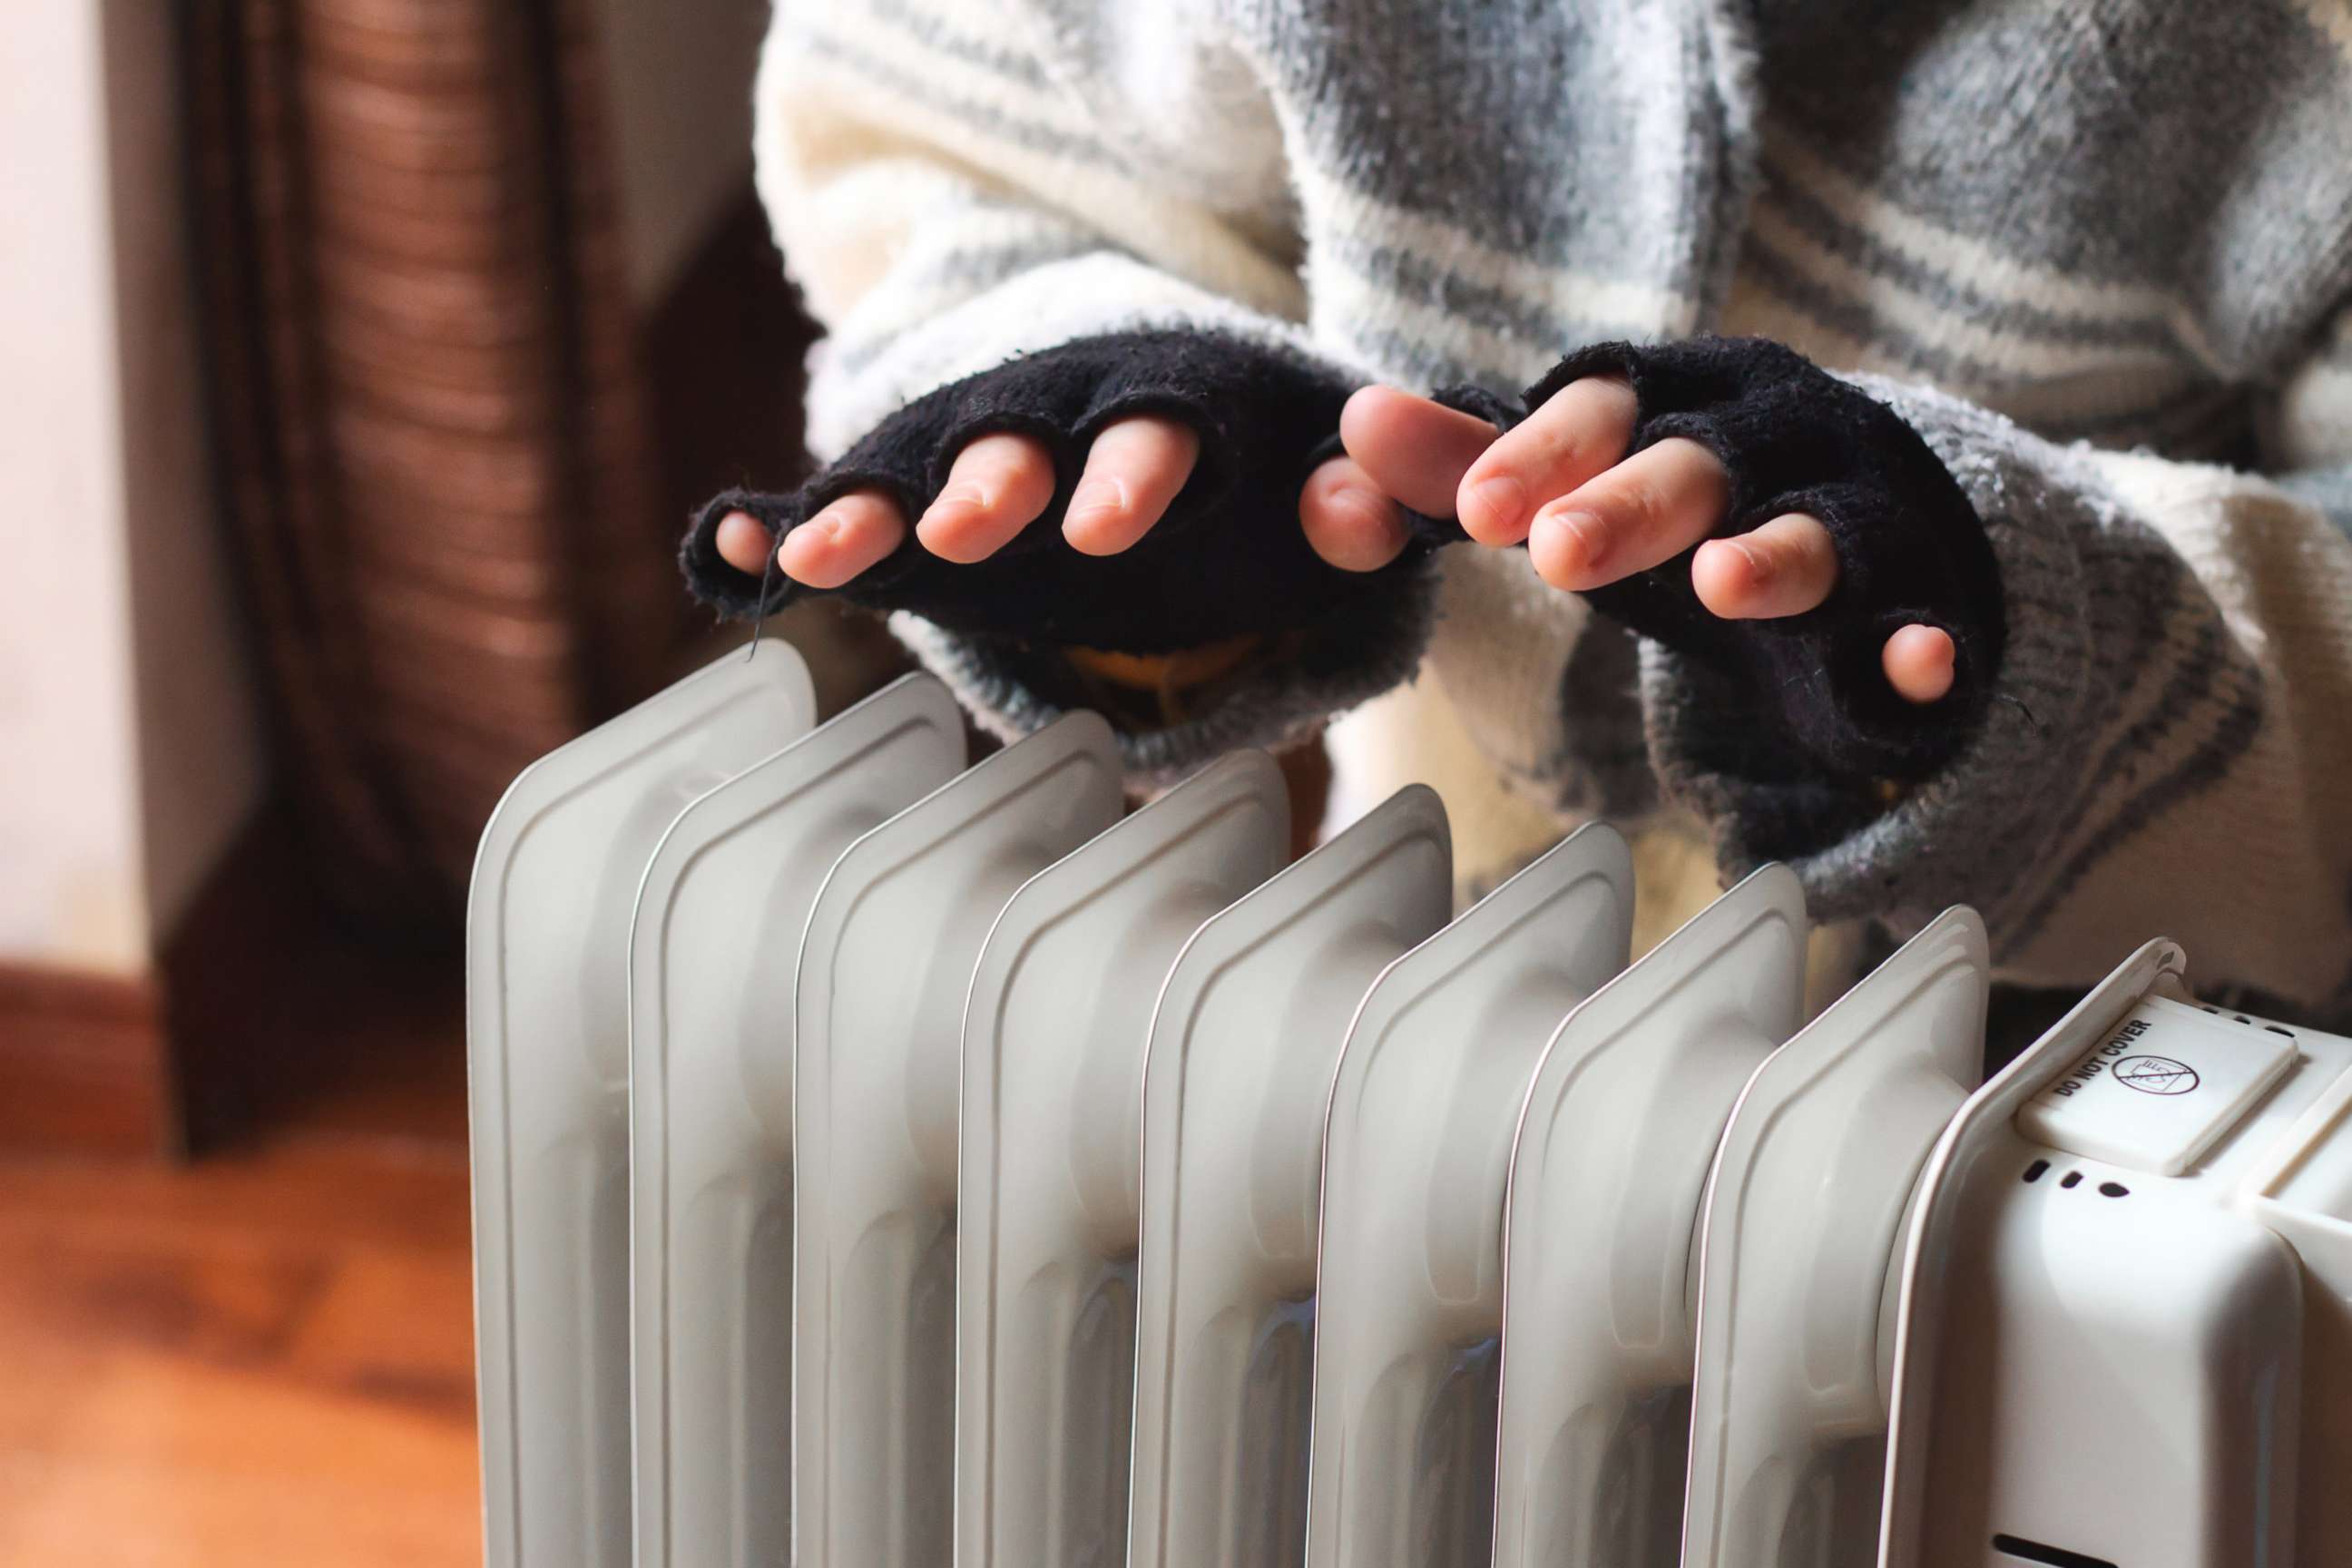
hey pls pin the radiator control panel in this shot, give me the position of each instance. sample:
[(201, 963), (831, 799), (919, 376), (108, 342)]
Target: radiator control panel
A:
[(2160, 1087)]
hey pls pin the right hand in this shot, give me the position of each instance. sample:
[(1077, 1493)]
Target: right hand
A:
[(1002, 483)]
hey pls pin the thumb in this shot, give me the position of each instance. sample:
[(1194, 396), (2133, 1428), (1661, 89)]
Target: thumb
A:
[(1414, 449)]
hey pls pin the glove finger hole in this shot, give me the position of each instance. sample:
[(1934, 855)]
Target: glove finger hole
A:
[(718, 582)]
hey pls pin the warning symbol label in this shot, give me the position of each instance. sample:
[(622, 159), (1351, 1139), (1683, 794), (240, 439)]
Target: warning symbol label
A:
[(2080, 1075), (2155, 1075)]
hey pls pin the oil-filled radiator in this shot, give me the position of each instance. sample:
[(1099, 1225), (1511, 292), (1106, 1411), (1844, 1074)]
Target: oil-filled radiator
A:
[(883, 1163)]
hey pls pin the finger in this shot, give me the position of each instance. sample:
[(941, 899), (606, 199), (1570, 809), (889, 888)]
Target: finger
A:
[(1411, 449), (995, 488), (1650, 508), (1919, 662), (1580, 432), (1348, 521), (742, 542), (845, 538), (1133, 470), (1783, 568)]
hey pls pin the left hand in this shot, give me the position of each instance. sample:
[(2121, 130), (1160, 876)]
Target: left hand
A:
[(1560, 482)]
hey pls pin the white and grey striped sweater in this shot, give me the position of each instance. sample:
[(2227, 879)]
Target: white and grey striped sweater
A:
[(2099, 255)]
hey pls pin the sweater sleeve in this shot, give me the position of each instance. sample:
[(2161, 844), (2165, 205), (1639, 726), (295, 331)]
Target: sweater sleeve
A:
[(951, 202), (2163, 747)]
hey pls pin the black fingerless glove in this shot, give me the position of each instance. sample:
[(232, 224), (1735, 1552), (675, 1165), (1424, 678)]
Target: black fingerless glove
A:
[(1807, 690), (1228, 559)]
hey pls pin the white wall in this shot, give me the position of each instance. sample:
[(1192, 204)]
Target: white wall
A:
[(130, 755), (128, 748), (681, 98), (199, 743), (72, 881)]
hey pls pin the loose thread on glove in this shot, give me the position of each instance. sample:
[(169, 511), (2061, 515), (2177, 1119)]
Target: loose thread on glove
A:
[(2021, 707), (759, 617)]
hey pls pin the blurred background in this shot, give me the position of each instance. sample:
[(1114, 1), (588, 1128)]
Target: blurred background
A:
[(360, 361)]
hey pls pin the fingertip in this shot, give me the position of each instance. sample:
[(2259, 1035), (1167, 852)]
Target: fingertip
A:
[(1134, 471), (1369, 415), (1101, 519), (808, 553), (1920, 662), (1728, 576), (1412, 448), (1566, 547), (1564, 444), (1785, 567), (741, 541), (1347, 521), (995, 488), (1492, 507), (953, 528), (841, 541)]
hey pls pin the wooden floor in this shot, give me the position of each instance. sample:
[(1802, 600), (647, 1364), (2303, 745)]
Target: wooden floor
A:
[(263, 1358)]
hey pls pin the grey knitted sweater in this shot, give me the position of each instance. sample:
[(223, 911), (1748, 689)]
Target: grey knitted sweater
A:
[(2099, 256)]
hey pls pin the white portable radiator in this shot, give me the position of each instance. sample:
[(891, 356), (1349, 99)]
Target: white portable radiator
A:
[(880, 1163)]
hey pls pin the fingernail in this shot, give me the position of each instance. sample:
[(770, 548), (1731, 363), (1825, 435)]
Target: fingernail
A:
[(1582, 539), (1095, 496), (1502, 499), (824, 525), (961, 496), (1759, 565)]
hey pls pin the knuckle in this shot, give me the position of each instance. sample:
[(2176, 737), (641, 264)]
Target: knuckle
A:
[(1175, 436), (1638, 506), (1556, 438), (1035, 474), (1610, 392), (1565, 450), (1692, 465), (1147, 438), (1802, 548), (1126, 438), (993, 450), (1604, 402)]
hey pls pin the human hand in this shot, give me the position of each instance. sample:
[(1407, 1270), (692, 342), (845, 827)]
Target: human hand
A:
[(1591, 514)]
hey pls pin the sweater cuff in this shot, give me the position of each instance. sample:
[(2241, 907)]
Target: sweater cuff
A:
[(1901, 849)]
